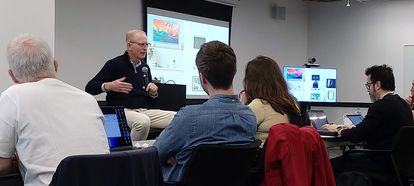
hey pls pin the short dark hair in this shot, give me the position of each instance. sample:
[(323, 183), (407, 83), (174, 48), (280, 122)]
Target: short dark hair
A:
[(217, 62), (383, 74)]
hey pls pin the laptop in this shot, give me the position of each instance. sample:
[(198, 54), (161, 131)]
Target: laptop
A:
[(116, 128), (355, 118), (318, 118)]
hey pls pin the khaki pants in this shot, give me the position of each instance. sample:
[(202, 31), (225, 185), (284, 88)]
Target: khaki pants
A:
[(141, 120)]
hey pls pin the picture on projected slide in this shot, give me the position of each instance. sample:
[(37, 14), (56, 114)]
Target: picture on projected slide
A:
[(196, 84), (198, 41), (166, 31)]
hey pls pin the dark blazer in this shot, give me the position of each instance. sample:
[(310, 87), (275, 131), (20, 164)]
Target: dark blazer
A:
[(381, 124), (116, 68)]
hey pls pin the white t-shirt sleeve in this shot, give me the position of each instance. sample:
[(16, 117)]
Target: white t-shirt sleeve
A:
[(8, 120)]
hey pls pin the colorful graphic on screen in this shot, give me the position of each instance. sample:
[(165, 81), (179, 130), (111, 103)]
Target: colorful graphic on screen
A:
[(294, 73), (166, 31)]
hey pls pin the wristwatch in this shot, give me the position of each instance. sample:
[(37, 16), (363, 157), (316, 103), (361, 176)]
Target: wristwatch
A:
[(338, 130)]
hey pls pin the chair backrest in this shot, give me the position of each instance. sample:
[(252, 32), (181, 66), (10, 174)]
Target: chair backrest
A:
[(220, 164), (126, 168), (403, 151)]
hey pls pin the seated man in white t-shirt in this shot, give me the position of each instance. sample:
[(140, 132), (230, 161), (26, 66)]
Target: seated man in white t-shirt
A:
[(42, 119)]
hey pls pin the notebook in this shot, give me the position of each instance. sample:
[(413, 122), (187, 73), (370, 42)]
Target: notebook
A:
[(318, 118), (355, 118), (116, 128)]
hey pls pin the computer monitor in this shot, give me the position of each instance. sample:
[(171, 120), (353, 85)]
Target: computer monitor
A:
[(311, 84)]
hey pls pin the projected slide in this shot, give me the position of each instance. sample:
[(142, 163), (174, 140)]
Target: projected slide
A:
[(175, 40), (311, 84)]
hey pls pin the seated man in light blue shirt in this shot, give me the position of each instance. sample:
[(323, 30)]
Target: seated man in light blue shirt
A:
[(221, 119)]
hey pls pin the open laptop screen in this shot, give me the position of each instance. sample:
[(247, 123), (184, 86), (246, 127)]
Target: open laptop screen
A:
[(317, 118), (355, 118), (116, 127), (112, 126)]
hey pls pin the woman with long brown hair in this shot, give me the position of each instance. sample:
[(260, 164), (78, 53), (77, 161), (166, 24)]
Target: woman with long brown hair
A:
[(266, 92)]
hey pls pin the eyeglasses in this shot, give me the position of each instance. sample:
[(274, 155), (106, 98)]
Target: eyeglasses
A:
[(141, 44), (367, 85)]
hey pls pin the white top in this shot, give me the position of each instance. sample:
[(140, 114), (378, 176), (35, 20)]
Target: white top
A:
[(46, 121)]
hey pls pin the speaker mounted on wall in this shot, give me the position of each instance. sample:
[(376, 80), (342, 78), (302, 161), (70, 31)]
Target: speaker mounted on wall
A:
[(277, 12)]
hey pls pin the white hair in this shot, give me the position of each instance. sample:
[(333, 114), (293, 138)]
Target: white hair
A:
[(131, 34), (30, 58)]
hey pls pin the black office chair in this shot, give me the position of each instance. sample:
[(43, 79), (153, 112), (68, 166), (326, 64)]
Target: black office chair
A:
[(403, 155), (12, 179), (220, 165), (126, 168), (399, 161)]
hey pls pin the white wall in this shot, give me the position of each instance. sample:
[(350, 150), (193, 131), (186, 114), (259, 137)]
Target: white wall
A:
[(356, 37), (408, 69), (89, 32), (254, 33), (24, 16)]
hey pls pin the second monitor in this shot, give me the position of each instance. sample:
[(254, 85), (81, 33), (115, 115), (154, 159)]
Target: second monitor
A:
[(311, 84)]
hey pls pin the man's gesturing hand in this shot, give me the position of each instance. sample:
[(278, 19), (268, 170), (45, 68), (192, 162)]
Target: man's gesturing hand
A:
[(118, 86)]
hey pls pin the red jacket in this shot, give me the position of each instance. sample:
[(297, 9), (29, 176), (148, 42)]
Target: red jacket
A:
[(296, 157), (318, 159)]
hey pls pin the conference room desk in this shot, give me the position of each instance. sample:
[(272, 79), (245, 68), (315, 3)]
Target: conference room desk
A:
[(336, 146), (143, 143)]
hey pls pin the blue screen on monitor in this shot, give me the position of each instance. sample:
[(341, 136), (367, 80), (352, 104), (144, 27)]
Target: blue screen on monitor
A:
[(311, 84)]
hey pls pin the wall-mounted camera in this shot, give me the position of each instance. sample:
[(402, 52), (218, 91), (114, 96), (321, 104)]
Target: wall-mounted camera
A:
[(311, 63)]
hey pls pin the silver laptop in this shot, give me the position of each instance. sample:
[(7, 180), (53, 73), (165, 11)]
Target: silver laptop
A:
[(318, 118), (116, 128)]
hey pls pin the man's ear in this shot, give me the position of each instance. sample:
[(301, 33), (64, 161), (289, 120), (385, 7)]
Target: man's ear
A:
[(56, 64), (203, 79), (377, 85), (13, 77)]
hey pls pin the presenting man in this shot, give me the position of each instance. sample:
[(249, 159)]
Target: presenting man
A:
[(42, 119), (221, 119), (127, 81)]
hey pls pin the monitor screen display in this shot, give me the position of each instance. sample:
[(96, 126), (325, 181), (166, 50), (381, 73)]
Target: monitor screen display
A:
[(175, 40), (311, 84)]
